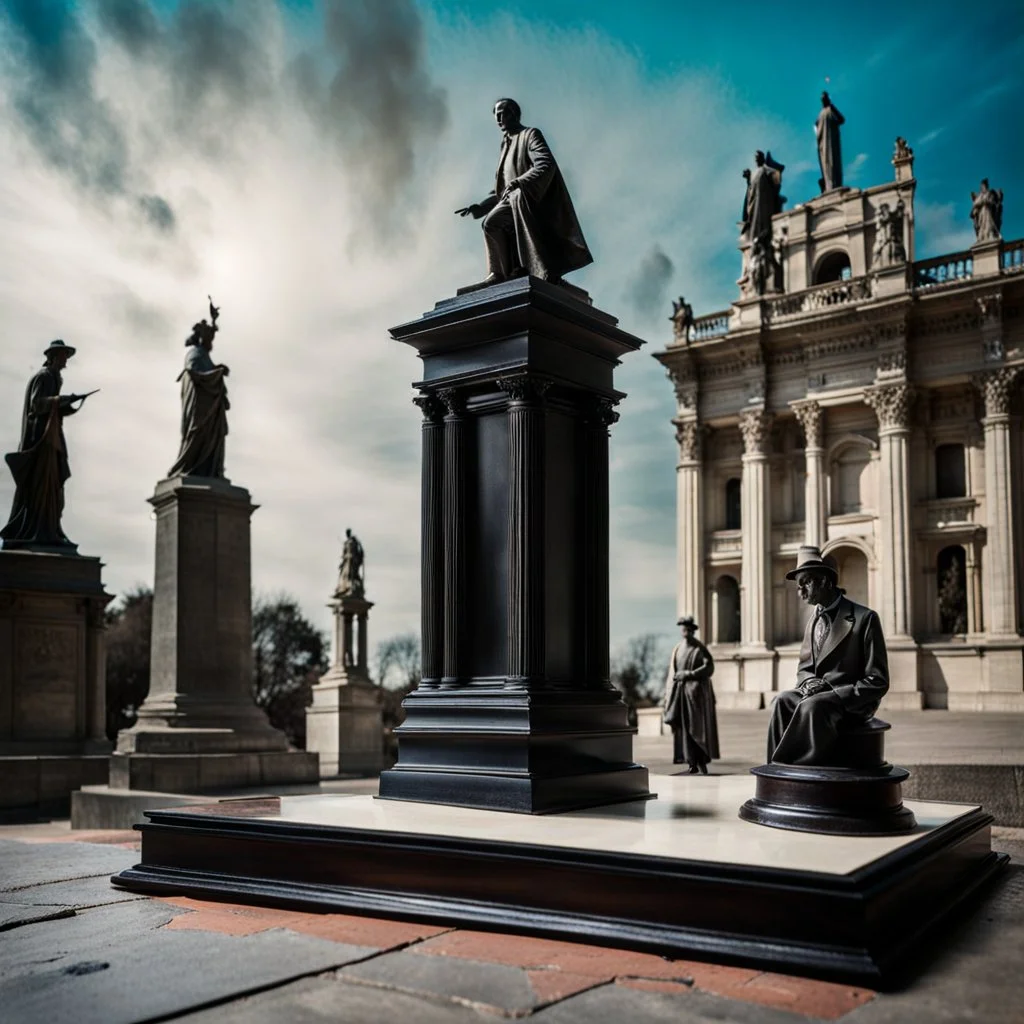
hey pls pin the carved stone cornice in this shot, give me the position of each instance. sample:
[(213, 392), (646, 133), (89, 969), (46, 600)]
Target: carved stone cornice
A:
[(810, 416), (431, 406), (683, 374), (689, 437), (997, 389), (892, 404), (755, 426)]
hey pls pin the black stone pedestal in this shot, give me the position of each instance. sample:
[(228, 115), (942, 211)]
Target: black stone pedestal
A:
[(515, 710), (858, 795)]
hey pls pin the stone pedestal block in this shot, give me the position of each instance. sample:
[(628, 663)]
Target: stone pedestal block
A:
[(515, 710), (198, 728), (52, 677)]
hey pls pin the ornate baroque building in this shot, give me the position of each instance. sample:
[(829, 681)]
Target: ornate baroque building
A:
[(859, 400)]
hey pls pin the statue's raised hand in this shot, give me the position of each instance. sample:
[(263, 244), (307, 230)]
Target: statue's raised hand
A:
[(474, 210)]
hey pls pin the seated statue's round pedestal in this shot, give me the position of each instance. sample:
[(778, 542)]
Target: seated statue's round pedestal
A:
[(859, 795)]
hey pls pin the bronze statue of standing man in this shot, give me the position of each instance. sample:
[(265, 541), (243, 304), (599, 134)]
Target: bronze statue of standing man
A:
[(204, 405), (529, 222), (689, 703), (40, 465), (830, 154)]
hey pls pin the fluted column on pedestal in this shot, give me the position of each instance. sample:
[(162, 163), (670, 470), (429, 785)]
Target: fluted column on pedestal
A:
[(525, 530), (690, 520), (811, 416), (892, 405), (453, 505), (600, 416), (432, 543), (1000, 569), (755, 426)]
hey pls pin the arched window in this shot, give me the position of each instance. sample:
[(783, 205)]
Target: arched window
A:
[(834, 266), (727, 610), (852, 565), (848, 479), (950, 471), (951, 576), (733, 505)]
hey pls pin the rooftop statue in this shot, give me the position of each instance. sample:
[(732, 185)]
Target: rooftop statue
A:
[(842, 674), (204, 405), (987, 213), (830, 155), (529, 223), (763, 197), (40, 465), (350, 571), (889, 248)]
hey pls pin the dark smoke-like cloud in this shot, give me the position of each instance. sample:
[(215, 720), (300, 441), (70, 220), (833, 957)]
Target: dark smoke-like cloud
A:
[(650, 283), (366, 89)]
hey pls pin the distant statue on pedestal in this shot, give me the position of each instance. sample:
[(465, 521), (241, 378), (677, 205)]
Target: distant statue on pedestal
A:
[(529, 222), (204, 405), (689, 701), (889, 247), (987, 213), (40, 465), (350, 571), (830, 154), (762, 201), (842, 674), (682, 318)]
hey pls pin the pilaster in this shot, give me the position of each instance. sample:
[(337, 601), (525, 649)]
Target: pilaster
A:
[(811, 418), (690, 519), (432, 542), (453, 505)]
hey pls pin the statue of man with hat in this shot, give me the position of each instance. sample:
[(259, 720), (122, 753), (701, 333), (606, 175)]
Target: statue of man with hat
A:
[(842, 674), (40, 465), (689, 703)]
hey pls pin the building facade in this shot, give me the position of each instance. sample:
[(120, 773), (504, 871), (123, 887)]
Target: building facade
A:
[(861, 400)]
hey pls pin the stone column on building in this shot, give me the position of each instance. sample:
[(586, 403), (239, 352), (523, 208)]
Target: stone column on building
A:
[(690, 520), (432, 543), (756, 607), (1000, 570), (892, 404), (811, 416)]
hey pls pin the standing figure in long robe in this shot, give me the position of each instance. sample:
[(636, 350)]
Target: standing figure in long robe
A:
[(204, 406), (689, 703), (350, 571), (530, 225), (830, 154), (987, 213), (40, 465)]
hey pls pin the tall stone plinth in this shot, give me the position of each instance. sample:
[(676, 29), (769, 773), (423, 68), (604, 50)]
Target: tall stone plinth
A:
[(515, 710), (344, 724), (199, 728), (52, 677)]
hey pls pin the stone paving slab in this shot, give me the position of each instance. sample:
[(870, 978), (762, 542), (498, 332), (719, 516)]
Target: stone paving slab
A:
[(95, 891), (329, 999), (23, 864), (13, 915)]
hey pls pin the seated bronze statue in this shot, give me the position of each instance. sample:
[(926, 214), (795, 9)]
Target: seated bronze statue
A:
[(842, 674)]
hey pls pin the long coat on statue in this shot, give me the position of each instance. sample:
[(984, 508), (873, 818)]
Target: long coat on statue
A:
[(689, 706), (548, 239), (854, 665)]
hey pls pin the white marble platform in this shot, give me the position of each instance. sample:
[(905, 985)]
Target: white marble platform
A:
[(692, 819)]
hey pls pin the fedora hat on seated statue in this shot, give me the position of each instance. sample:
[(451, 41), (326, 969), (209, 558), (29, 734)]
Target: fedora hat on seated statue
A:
[(687, 620), (809, 559)]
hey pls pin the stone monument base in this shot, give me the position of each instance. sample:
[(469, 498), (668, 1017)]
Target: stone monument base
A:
[(52, 677), (681, 875), (344, 726)]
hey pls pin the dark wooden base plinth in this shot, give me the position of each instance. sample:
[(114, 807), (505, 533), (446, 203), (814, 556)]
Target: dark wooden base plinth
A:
[(530, 752), (833, 801), (856, 924)]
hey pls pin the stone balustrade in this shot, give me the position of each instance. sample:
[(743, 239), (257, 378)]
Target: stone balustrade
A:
[(711, 326), (949, 512), (957, 266), (1012, 261), (822, 296)]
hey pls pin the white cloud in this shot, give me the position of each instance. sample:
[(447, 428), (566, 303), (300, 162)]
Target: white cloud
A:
[(273, 224), (942, 228)]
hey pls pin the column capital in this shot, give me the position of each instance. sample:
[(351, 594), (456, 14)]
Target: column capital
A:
[(810, 416), (892, 404), (689, 437), (755, 426), (601, 411), (431, 406), (454, 400), (996, 389), (524, 389), (683, 375)]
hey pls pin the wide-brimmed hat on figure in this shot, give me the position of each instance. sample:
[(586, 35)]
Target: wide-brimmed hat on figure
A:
[(687, 620), (58, 346), (809, 559)]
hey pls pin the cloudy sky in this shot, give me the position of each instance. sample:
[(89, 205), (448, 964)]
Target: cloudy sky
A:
[(300, 161)]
